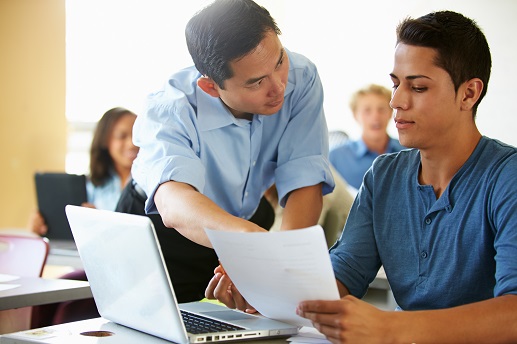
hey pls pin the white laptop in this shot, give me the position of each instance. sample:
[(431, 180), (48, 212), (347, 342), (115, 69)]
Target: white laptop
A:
[(130, 283)]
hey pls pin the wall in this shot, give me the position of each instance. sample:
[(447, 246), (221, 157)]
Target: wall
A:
[(354, 45), (32, 101), (351, 42)]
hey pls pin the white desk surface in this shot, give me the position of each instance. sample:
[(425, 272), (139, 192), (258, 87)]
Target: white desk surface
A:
[(75, 332), (33, 291)]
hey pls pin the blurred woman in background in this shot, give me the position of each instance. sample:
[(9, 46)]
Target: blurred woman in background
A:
[(111, 156)]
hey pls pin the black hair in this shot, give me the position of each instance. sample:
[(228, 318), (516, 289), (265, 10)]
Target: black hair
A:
[(224, 31), (101, 161), (462, 48)]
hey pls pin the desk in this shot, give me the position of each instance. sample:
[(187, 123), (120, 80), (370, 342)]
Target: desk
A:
[(58, 266), (73, 333), (34, 291), (73, 261)]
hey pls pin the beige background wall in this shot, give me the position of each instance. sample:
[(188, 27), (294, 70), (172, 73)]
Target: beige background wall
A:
[(32, 101)]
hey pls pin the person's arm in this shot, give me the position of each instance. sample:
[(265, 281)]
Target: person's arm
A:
[(353, 320), (303, 208), (189, 212), (37, 224)]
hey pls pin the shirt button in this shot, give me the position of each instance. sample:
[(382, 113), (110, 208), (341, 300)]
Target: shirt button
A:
[(254, 163), (423, 254), (428, 221), (246, 194)]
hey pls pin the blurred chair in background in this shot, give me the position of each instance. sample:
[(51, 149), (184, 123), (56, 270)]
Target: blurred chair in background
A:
[(337, 137), (24, 256)]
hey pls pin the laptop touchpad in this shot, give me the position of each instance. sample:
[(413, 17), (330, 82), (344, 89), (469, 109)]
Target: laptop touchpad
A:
[(228, 315)]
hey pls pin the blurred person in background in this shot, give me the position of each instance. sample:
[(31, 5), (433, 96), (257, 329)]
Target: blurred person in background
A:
[(111, 156), (371, 109)]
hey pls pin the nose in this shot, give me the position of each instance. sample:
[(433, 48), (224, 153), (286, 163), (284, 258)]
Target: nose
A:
[(277, 86), (398, 99)]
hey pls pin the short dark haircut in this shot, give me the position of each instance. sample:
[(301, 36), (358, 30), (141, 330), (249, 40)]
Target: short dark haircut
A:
[(462, 49), (101, 162), (224, 31)]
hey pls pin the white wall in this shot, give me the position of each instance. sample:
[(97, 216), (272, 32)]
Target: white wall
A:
[(352, 45), (120, 50)]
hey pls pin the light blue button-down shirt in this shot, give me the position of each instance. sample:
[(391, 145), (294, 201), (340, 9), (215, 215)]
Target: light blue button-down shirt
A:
[(437, 253), (104, 196), (352, 159), (189, 136)]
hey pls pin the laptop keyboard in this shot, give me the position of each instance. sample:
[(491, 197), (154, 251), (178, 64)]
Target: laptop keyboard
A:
[(197, 324)]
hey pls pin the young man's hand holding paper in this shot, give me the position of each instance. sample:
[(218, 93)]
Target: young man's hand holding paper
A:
[(274, 271)]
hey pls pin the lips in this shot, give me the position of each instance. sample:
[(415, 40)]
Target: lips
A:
[(131, 154), (402, 123), (276, 103)]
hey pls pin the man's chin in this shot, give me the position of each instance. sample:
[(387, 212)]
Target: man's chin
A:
[(271, 110)]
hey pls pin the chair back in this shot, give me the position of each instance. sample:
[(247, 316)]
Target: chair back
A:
[(337, 137), (23, 255)]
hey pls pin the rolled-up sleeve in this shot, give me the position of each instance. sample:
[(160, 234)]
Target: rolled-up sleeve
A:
[(303, 158), (502, 210), (354, 256)]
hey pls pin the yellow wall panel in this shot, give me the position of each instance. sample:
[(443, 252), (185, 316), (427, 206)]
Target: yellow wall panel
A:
[(32, 101)]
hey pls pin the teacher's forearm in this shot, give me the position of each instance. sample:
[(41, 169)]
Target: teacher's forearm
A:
[(303, 208), (189, 212)]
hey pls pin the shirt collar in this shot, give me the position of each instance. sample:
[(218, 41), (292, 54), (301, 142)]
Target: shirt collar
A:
[(211, 112), (360, 148)]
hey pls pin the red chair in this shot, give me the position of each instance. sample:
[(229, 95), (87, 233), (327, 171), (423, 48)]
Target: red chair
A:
[(24, 256)]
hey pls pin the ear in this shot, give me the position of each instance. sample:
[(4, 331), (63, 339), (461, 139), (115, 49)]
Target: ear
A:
[(209, 86), (471, 93)]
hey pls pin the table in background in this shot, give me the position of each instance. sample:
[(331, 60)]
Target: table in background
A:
[(34, 291)]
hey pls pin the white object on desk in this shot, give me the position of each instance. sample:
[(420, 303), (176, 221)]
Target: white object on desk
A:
[(8, 278), (5, 282), (309, 335), (7, 286)]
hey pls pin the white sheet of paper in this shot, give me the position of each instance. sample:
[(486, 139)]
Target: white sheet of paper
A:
[(8, 278), (275, 271), (8, 286), (309, 335)]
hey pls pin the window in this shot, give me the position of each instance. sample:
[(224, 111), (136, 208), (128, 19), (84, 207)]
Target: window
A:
[(118, 51)]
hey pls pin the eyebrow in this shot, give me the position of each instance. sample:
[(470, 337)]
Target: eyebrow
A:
[(254, 80), (411, 77)]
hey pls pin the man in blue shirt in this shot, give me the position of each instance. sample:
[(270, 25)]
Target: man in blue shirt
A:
[(218, 135), (441, 218), (371, 109)]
